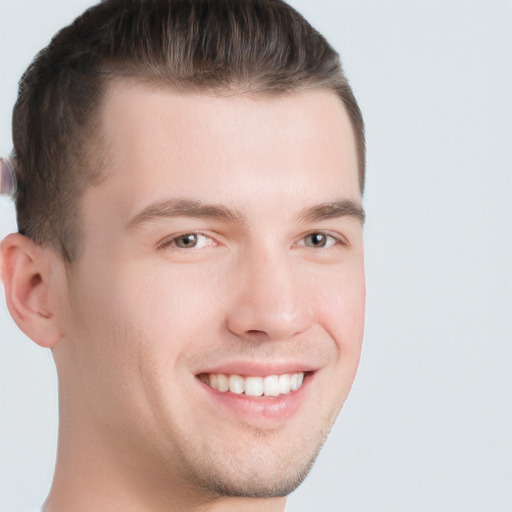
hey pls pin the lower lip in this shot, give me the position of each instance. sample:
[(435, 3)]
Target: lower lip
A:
[(261, 408)]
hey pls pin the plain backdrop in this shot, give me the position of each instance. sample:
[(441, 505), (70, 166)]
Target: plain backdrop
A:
[(428, 426)]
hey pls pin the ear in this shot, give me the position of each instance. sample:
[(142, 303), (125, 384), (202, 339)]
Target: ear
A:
[(28, 280)]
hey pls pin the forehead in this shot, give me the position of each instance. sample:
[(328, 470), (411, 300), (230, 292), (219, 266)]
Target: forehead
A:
[(159, 143)]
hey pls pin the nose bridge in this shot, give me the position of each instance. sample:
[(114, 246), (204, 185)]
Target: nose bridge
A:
[(270, 301)]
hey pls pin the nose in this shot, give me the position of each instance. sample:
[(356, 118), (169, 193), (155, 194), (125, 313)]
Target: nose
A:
[(270, 303)]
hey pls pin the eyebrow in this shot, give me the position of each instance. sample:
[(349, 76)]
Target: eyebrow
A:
[(185, 208), (193, 208), (336, 209)]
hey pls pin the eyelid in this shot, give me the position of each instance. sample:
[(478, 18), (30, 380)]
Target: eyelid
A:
[(339, 239), (169, 241)]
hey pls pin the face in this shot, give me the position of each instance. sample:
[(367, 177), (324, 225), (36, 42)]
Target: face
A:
[(216, 312)]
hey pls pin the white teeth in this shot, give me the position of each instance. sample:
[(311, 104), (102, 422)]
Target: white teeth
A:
[(293, 382), (253, 386), (284, 383), (271, 385), (222, 382), (236, 384), (296, 381), (213, 381)]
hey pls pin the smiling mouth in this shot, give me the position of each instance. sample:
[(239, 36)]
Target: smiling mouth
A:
[(270, 385)]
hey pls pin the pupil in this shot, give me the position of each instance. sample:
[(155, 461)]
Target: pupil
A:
[(187, 240), (318, 239)]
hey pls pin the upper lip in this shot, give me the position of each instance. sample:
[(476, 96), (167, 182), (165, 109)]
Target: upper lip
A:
[(256, 369)]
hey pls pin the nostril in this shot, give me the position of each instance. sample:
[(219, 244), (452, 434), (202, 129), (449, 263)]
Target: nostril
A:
[(257, 320), (256, 334)]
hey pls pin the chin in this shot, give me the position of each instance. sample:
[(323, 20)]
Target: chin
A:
[(258, 473)]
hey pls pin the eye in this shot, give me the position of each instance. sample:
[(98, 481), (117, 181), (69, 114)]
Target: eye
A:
[(187, 241), (319, 240)]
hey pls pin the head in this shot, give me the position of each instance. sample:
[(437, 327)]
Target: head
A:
[(189, 184)]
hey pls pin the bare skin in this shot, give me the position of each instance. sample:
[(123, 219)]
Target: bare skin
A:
[(227, 240)]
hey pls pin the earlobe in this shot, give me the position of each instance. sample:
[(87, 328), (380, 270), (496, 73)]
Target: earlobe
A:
[(26, 274)]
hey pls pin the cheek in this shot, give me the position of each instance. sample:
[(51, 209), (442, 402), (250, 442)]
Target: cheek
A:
[(341, 309), (101, 334), (167, 311), (130, 328), (341, 312)]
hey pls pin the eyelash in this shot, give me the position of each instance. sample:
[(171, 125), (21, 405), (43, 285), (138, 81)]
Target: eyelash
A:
[(331, 240), (335, 240), (168, 242)]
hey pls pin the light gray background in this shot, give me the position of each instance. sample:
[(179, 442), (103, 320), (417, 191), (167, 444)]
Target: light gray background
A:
[(428, 426)]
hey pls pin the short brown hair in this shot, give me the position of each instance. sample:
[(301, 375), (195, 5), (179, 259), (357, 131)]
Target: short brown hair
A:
[(254, 46)]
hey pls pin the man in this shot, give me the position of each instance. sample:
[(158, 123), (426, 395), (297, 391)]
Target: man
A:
[(190, 248)]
